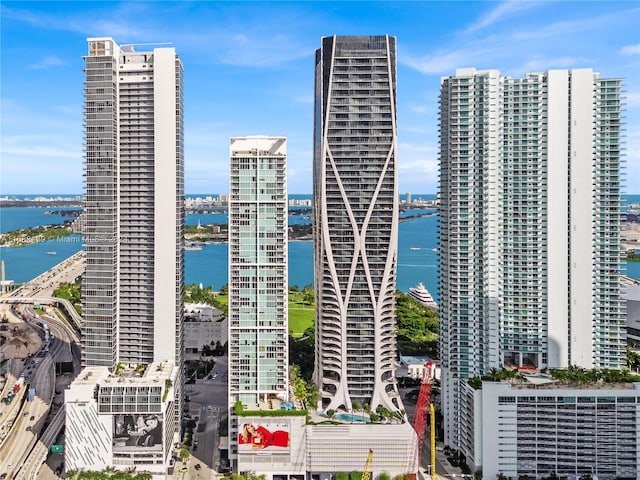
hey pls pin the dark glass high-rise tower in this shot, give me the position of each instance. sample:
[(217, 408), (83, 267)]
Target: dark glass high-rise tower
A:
[(355, 221)]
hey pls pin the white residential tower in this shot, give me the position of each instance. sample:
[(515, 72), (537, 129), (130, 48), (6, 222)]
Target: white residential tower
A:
[(132, 288), (530, 228)]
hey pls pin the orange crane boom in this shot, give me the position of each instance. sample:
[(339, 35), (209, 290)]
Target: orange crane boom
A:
[(420, 417)]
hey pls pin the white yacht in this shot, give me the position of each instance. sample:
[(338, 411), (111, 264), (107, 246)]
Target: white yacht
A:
[(421, 294)]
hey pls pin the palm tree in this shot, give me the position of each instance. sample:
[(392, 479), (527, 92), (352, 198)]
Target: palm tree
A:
[(184, 454)]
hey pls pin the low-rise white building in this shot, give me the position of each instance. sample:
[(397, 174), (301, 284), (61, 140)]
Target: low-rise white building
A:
[(204, 325), (543, 427), (632, 295), (125, 420), (283, 445), (344, 448), (415, 367)]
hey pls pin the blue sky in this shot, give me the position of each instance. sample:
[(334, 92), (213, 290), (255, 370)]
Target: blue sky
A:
[(249, 70)]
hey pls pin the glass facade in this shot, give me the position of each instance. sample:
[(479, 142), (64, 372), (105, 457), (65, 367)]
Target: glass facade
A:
[(355, 221), (258, 280)]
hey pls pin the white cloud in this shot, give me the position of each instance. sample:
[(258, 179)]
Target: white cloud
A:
[(633, 98), (304, 99), (86, 23), (543, 64), (630, 50), (567, 28), (418, 108), (417, 167), (260, 50), (41, 146), (439, 64), (502, 11), (632, 168), (48, 62), (521, 45), (417, 174), (240, 39), (216, 36)]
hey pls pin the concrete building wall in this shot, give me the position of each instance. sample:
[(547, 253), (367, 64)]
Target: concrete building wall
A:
[(569, 431), (581, 219), (168, 205), (344, 448), (557, 231), (88, 443), (632, 295), (197, 334)]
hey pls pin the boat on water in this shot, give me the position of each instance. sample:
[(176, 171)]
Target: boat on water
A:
[(421, 294), (51, 253), (415, 248), (192, 247)]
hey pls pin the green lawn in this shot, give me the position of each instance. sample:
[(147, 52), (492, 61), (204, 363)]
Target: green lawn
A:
[(300, 317), (300, 313)]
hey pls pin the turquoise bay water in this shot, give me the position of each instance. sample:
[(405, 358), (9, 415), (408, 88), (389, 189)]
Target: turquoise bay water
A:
[(25, 263), (417, 258), (16, 218), (209, 266)]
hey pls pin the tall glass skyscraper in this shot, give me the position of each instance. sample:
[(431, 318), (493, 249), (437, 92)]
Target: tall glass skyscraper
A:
[(258, 280), (132, 342), (134, 207), (530, 227), (355, 221)]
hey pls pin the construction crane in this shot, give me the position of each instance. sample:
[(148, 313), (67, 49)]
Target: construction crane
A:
[(366, 474), (420, 417), (432, 412)]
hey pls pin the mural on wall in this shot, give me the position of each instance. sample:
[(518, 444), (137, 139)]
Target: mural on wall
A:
[(255, 437), (133, 432)]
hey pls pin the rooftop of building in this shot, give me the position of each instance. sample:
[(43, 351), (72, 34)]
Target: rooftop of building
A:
[(414, 360), (154, 373), (273, 404), (92, 375), (571, 377)]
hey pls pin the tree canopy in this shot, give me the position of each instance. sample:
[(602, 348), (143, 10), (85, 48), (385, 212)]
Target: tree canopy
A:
[(417, 327)]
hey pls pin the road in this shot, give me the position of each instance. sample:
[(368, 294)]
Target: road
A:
[(44, 285), (208, 405), (27, 417), (25, 436), (443, 467)]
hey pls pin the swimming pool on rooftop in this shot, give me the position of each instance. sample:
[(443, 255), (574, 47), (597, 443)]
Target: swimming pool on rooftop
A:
[(538, 379), (350, 417)]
